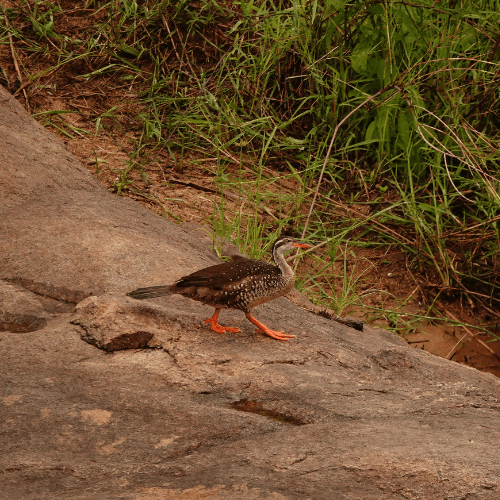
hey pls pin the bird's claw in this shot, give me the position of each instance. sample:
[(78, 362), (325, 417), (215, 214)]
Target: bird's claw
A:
[(219, 328), (224, 329), (275, 335)]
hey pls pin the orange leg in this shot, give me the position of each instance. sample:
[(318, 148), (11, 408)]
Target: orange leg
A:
[(218, 328), (268, 331)]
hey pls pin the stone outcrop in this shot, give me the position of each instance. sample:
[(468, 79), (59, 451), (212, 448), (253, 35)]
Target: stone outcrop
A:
[(157, 406)]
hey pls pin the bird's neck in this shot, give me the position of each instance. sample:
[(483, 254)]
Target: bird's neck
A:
[(282, 265)]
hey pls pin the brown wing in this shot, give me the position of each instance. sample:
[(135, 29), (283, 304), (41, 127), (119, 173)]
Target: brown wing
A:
[(221, 275)]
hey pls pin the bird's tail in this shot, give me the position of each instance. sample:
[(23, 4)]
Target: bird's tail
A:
[(150, 292)]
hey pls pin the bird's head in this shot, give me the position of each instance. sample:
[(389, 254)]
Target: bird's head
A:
[(286, 243)]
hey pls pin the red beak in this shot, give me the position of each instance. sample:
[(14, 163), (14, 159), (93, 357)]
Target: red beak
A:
[(302, 245)]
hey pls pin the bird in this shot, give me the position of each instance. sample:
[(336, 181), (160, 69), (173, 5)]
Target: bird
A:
[(240, 283)]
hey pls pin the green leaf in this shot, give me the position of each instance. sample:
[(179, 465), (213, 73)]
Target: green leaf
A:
[(403, 128), (359, 57), (130, 50), (371, 131), (376, 10), (339, 4)]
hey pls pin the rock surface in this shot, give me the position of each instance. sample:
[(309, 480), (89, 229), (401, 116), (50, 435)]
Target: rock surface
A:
[(332, 413)]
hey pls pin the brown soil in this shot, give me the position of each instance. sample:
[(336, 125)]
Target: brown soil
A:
[(183, 189)]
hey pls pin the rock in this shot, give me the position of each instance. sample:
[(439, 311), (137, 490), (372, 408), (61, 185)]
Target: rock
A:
[(62, 238), (114, 323), (332, 413), (20, 310), (302, 301)]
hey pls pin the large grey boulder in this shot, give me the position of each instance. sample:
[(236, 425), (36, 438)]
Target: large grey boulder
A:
[(188, 413)]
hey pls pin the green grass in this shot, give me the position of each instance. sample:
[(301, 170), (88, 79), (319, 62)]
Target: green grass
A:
[(392, 106)]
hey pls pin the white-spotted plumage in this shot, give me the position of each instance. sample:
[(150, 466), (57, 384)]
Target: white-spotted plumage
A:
[(239, 284)]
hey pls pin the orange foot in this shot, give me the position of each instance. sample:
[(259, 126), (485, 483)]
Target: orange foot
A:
[(275, 335), (264, 329), (214, 325)]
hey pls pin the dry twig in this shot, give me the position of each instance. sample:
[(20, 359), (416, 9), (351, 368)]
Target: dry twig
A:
[(16, 65), (467, 332)]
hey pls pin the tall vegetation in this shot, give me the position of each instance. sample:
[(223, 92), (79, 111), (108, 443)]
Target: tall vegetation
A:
[(410, 91)]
